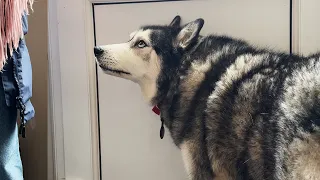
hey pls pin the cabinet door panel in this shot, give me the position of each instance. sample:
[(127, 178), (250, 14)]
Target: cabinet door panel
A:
[(309, 27)]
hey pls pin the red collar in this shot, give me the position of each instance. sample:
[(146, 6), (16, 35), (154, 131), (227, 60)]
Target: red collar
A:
[(156, 110)]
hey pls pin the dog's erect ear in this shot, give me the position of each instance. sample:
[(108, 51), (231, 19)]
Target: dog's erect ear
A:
[(189, 33), (176, 21)]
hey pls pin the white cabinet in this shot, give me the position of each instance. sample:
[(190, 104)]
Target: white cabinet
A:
[(308, 36), (129, 131)]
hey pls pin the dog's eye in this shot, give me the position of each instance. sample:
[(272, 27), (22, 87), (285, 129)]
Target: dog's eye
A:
[(141, 44)]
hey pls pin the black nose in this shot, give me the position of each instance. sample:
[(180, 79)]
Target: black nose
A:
[(98, 51)]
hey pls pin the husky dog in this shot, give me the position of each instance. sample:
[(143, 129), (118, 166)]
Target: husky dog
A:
[(234, 111)]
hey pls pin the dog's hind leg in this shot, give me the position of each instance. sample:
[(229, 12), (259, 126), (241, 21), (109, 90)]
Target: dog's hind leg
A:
[(196, 160)]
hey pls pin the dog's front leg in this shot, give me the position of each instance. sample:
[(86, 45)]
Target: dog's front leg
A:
[(196, 160)]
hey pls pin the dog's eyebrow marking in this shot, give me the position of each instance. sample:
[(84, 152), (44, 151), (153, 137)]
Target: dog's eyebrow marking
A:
[(132, 35), (130, 39)]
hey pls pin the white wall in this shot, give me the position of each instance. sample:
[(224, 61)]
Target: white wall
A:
[(309, 27)]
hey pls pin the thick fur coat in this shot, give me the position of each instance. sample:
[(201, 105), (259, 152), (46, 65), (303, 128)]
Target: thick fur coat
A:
[(234, 110)]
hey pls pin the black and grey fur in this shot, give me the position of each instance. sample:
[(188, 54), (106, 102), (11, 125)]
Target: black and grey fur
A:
[(235, 111)]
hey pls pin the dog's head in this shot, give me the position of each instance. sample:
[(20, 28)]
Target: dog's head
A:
[(151, 56)]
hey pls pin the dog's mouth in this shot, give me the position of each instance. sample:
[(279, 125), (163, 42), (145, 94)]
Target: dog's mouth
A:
[(116, 71), (107, 69)]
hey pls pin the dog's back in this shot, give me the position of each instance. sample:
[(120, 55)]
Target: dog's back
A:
[(262, 114), (263, 109)]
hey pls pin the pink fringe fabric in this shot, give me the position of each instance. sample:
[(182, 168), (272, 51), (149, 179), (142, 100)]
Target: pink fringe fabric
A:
[(11, 12)]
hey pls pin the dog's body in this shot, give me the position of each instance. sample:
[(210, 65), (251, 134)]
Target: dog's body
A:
[(236, 112)]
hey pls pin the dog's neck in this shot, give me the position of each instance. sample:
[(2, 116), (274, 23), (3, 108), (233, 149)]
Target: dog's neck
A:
[(166, 91), (149, 90)]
